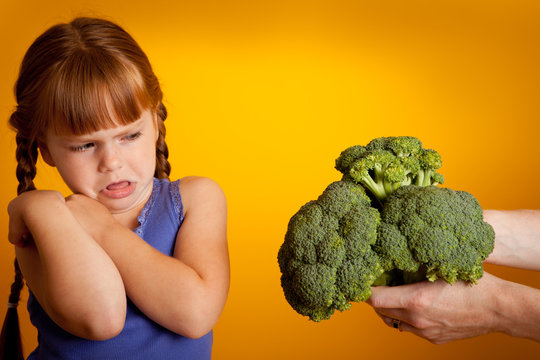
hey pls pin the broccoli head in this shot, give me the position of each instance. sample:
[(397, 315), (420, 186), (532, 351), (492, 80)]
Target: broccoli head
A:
[(327, 259), (384, 223), (387, 163), (431, 232)]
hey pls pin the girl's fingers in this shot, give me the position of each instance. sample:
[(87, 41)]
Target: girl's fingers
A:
[(20, 241)]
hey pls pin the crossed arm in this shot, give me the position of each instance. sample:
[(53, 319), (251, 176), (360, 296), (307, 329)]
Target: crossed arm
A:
[(441, 313), (82, 263)]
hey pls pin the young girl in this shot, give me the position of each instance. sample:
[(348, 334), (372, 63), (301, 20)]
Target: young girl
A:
[(132, 266)]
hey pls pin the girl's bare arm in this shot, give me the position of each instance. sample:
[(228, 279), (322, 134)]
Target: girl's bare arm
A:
[(187, 292), (74, 280)]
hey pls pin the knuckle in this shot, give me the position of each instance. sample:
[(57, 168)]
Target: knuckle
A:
[(420, 301), (375, 302), (420, 323)]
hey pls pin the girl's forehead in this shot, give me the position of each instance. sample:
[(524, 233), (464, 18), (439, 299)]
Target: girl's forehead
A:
[(111, 128), (83, 104)]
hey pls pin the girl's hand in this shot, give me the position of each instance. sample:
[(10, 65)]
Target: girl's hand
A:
[(440, 312), (29, 203), (93, 216)]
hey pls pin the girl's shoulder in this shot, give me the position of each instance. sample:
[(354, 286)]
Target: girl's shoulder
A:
[(199, 191), (198, 183)]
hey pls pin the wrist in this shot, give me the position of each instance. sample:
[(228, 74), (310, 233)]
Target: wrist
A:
[(105, 230), (518, 310), (502, 300), (509, 312), (31, 201), (32, 206)]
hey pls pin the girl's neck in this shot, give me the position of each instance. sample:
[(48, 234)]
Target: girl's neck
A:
[(129, 218)]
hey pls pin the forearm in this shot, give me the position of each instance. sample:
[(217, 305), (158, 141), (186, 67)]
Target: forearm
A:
[(164, 288), (517, 238), (519, 310), (73, 279)]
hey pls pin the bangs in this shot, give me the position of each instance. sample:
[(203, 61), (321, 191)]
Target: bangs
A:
[(93, 90)]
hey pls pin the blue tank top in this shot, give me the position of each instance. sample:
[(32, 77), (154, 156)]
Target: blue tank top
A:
[(141, 338)]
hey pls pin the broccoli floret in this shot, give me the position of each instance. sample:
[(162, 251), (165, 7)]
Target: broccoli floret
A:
[(436, 231), (326, 260), (387, 163)]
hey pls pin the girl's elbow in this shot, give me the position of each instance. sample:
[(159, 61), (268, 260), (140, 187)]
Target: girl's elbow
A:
[(203, 317), (105, 327), (100, 323), (195, 326), (196, 331), (109, 322)]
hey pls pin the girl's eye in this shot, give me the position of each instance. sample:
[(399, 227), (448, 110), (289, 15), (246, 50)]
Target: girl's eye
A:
[(82, 147), (133, 136)]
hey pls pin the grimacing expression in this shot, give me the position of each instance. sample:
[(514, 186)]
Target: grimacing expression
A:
[(114, 165)]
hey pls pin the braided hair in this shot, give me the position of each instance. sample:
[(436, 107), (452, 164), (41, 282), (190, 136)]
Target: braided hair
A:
[(77, 78)]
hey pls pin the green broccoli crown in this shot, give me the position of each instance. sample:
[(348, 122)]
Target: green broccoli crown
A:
[(326, 260), (387, 163), (338, 246), (436, 230)]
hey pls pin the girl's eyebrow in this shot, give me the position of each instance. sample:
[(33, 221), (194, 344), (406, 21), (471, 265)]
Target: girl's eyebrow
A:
[(122, 130)]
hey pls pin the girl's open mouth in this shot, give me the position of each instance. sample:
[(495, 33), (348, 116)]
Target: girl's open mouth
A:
[(119, 189)]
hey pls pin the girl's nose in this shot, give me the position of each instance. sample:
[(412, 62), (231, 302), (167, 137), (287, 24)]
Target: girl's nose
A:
[(110, 159)]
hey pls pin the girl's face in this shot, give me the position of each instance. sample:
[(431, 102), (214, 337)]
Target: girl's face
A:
[(114, 166)]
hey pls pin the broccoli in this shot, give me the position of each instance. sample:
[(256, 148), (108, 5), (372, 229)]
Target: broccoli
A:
[(386, 222), (434, 231), (326, 260), (387, 163)]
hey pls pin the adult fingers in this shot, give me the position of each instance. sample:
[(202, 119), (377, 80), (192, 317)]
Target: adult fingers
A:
[(392, 313), (398, 324), (388, 297)]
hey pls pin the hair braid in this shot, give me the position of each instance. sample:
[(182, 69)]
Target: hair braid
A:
[(11, 343), (26, 155), (163, 167), (17, 285), (10, 339)]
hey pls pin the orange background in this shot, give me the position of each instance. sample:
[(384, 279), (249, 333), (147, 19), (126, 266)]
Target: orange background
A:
[(263, 96)]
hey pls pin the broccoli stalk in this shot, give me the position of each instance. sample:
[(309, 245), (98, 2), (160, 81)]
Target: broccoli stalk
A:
[(426, 175), (387, 163)]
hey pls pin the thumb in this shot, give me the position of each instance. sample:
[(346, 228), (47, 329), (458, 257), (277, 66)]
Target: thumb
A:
[(395, 297)]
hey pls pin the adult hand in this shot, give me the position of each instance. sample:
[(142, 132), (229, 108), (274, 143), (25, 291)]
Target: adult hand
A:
[(440, 312)]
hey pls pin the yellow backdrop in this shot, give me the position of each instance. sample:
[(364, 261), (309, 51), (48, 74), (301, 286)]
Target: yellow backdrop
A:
[(263, 96)]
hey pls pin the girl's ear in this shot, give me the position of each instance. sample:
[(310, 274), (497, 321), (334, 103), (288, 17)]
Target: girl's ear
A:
[(45, 153)]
